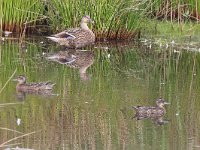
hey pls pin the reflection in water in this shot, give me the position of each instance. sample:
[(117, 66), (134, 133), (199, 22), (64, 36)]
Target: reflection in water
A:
[(90, 115), (157, 120), (75, 59), (21, 95)]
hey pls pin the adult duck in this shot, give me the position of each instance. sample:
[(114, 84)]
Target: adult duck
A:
[(76, 37)]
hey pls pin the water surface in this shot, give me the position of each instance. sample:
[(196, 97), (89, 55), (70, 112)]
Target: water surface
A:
[(91, 104)]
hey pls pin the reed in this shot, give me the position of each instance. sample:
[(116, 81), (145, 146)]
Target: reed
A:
[(113, 19), (174, 10), (18, 12)]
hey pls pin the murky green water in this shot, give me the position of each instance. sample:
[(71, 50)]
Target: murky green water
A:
[(93, 110)]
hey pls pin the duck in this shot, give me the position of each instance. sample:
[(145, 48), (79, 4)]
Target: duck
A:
[(80, 59), (32, 87), (151, 111), (75, 38)]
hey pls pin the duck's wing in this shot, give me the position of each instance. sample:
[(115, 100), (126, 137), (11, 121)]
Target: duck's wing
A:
[(139, 107), (69, 33), (41, 85)]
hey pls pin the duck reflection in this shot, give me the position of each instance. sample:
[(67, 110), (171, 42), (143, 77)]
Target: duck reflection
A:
[(21, 95), (81, 59), (157, 120)]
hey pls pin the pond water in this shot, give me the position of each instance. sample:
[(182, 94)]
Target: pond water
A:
[(90, 106)]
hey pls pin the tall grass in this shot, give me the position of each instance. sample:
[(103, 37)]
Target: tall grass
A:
[(18, 12), (175, 10), (113, 19)]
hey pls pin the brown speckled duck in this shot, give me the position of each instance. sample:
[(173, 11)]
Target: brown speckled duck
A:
[(76, 37), (150, 111), (40, 86)]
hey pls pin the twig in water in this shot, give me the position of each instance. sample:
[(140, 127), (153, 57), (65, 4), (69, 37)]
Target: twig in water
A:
[(3, 144), (5, 104), (11, 130), (8, 80)]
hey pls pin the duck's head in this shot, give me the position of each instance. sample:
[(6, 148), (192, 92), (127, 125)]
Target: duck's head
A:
[(21, 79), (86, 19), (161, 102)]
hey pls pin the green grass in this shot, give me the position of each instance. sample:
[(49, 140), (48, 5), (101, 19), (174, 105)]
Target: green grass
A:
[(114, 19), (18, 12), (175, 10)]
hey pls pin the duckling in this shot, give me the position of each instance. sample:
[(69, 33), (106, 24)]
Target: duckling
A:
[(150, 111), (76, 37), (35, 87)]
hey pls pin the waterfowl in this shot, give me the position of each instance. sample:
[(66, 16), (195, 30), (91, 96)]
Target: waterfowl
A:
[(76, 37), (80, 59), (151, 111), (34, 87)]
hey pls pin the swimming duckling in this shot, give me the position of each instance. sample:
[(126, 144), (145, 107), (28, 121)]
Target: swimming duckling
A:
[(40, 86), (150, 111), (76, 37)]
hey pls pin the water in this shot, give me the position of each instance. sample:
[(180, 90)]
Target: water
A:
[(92, 109)]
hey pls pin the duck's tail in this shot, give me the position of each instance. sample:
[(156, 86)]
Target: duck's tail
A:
[(61, 41), (135, 107), (55, 39), (47, 85)]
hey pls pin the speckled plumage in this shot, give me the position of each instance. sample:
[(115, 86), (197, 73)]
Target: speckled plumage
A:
[(150, 111), (76, 37), (23, 86)]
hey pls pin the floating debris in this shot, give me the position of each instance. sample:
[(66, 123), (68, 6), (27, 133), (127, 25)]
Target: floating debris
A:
[(18, 121), (175, 51), (7, 33)]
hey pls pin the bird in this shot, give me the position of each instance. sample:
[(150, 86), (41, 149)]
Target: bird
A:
[(75, 38), (35, 87), (151, 111)]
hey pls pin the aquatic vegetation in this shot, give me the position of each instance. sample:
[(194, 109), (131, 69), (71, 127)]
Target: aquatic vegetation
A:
[(19, 14), (174, 10), (113, 19)]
